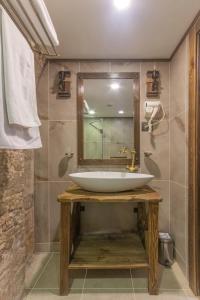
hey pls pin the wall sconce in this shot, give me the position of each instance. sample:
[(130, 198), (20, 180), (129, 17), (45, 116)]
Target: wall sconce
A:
[(63, 84), (153, 84)]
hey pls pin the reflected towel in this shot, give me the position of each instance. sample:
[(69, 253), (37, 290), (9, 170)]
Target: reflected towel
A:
[(19, 75), (46, 19)]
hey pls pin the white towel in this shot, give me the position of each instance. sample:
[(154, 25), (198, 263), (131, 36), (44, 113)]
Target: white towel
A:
[(13, 136), (19, 73), (46, 19)]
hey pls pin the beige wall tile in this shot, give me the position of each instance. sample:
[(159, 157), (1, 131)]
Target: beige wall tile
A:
[(42, 93), (94, 67), (29, 173), (182, 264), (163, 188), (179, 80), (178, 217), (41, 155), (105, 218), (125, 66), (178, 149), (62, 109), (55, 188), (158, 163), (41, 213), (62, 139)]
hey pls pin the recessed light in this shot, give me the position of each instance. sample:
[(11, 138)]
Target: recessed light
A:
[(115, 86), (92, 112), (121, 112), (122, 4)]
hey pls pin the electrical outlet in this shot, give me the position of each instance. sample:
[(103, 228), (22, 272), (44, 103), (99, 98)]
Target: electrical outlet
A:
[(82, 208), (145, 126)]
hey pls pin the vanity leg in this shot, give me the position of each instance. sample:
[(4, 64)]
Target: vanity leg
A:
[(153, 248), (65, 247)]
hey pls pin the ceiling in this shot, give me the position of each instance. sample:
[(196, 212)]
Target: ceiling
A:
[(95, 29)]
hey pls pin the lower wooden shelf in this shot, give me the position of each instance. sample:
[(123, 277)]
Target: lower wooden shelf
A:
[(111, 251)]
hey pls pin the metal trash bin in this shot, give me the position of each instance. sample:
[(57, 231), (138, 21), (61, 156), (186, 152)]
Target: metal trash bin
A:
[(166, 249)]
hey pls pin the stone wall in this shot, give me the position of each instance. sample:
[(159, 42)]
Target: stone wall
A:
[(16, 220)]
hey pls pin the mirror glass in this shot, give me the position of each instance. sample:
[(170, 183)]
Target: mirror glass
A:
[(108, 118)]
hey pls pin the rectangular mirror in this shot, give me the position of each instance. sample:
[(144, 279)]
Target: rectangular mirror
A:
[(108, 117)]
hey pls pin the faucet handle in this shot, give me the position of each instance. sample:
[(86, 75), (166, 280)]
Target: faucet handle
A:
[(133, 150), (123, 150)]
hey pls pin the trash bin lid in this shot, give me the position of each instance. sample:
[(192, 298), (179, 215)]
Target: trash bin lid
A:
[(164, 236)]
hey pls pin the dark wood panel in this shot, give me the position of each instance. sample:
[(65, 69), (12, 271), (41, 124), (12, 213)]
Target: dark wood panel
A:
[(65, 247), (153, 248), (194, 160)]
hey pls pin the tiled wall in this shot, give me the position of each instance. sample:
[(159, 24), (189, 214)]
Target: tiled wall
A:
[(179, 152), (59, 134)]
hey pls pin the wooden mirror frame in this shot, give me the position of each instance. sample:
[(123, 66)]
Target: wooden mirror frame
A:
[(136, 100)]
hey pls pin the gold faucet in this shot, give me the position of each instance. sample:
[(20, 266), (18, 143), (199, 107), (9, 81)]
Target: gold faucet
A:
[(132, 168)]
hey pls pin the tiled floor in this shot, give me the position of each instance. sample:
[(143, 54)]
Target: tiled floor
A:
[(102, 285)]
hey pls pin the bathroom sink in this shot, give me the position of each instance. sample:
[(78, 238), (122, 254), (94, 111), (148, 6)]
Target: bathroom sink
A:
[(110, 181)]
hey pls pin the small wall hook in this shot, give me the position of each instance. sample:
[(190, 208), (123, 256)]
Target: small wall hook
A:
[(147, 154), (69, 155)]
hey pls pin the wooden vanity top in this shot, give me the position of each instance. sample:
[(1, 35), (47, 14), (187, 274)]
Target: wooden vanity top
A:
[(76, 194)]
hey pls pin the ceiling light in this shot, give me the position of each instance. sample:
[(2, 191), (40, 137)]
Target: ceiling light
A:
[(115, 86), (121, 4), (121, 112), (92, 112)]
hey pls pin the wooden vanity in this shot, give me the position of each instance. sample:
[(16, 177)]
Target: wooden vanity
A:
[(138, 250)]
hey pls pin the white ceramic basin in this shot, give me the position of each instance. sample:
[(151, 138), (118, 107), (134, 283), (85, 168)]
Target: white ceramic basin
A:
[(110, 181)]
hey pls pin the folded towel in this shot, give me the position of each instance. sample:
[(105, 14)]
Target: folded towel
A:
[(13, 136), (46, 19), (19, 75)]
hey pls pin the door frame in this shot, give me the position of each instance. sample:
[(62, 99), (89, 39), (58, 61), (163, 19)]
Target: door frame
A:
[(194, 159)]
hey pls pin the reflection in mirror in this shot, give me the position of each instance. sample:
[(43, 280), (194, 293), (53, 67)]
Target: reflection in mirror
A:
[(108, 118)]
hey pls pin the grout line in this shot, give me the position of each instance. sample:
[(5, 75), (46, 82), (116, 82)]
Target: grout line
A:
[(131, 275), (42, 272), (83, 287), (182, 112), (181, 257), (132, 283), (180, 184), (109, 289), (62, 120)]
